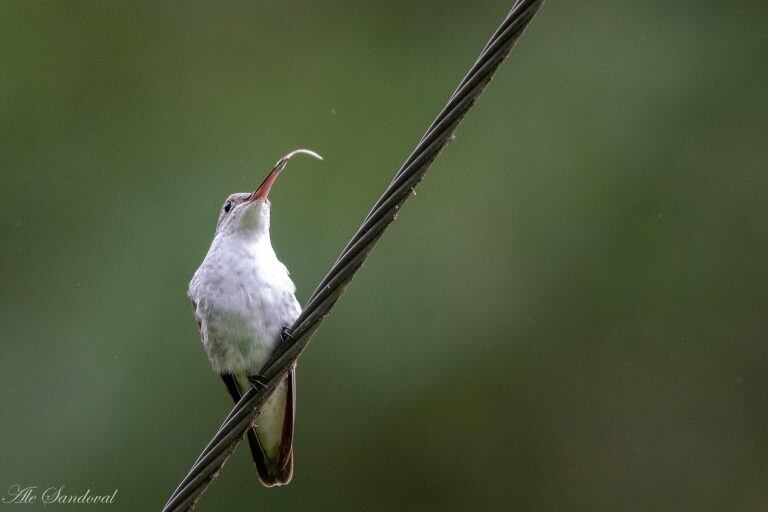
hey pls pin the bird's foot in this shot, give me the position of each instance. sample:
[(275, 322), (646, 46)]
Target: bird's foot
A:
[(286, 336), (257, 381)]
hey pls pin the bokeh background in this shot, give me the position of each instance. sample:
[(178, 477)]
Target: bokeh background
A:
[(570, 315)]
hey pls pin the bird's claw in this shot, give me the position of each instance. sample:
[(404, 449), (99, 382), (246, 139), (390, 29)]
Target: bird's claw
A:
[(257, 381), (285, 335)]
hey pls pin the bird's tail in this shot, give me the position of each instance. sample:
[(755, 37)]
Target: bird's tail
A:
[(271, 438)]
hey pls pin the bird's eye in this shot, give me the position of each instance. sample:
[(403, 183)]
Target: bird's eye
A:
[(227, 207)]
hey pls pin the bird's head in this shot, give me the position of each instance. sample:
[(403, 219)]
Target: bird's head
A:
[(247, 213)]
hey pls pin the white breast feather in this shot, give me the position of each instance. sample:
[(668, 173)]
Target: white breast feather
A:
[(244, 297)]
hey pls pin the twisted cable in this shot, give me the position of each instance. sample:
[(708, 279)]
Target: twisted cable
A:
[(384, 211)]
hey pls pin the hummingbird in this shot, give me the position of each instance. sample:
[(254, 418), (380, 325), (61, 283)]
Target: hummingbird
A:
[(243, 298)]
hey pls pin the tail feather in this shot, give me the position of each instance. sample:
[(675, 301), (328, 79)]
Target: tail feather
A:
[(277, 469)]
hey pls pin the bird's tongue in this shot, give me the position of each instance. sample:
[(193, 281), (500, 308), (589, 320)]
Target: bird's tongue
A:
[(266, 185), (263, 191)]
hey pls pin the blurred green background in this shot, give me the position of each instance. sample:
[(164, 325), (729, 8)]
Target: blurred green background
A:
[(571, 314)]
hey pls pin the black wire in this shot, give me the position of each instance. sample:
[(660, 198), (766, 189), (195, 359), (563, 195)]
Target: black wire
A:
[(295, 339)]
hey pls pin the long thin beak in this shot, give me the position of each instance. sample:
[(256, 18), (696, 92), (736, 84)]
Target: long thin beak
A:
[(263, 190)]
